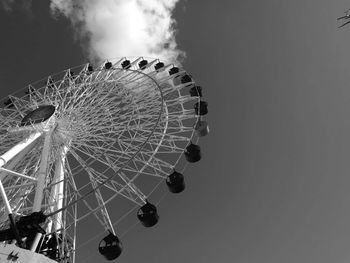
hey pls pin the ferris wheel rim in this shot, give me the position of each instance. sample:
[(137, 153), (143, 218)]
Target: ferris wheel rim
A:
[(141, 143)]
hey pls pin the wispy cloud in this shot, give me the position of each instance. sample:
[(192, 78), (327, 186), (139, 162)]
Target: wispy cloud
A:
[(8, 5), (117, 28)]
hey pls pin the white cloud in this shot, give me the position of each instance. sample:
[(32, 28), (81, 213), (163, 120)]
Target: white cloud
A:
[(118, 28)]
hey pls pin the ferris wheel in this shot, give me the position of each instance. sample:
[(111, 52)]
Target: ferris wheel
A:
[(73, 143)]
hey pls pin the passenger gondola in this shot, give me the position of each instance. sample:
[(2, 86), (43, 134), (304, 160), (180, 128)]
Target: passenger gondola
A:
[(110, 247), (193, 153), (143, 64), (201, 108), (175, 182), (147, 214)]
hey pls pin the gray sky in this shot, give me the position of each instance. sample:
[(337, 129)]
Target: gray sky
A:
[(273, 184)]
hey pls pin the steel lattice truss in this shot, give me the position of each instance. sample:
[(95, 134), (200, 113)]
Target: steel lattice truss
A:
[(115, 132)]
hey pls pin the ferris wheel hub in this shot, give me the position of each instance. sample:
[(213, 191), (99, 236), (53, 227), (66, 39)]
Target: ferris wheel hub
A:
[(39, 120), (40, 114)]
